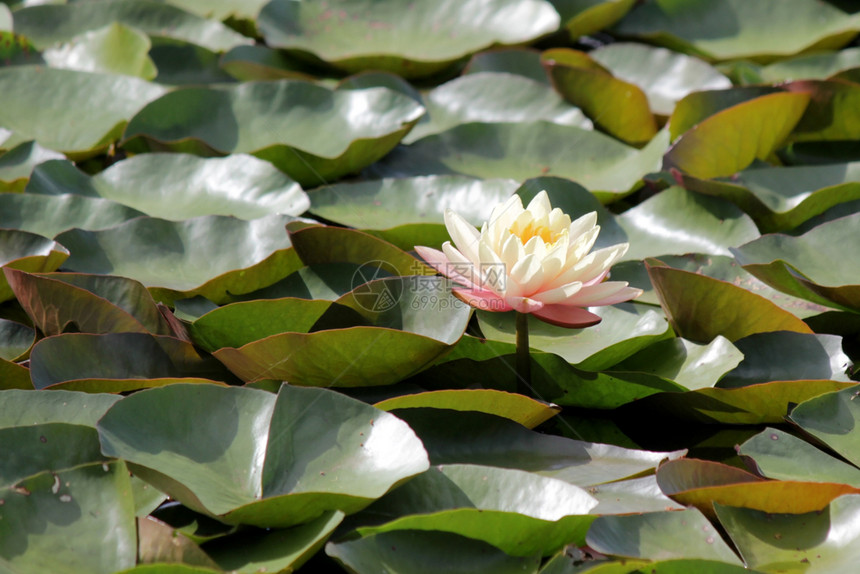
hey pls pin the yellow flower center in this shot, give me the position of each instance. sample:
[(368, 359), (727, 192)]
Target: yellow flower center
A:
[(536, 229)]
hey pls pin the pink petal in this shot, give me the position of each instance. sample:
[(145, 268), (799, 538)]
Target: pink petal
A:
[(480, 299), (440, 262), (567, 316), (524, 304)]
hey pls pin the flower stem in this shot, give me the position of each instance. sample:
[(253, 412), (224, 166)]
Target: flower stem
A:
[(524, 365)]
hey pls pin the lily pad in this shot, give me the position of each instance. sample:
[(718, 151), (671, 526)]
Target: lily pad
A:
[(114, 49), (814, 542), (521, 61), (585, 17), (832, 112), (751, 130), (15, 339), (494, 97), (518, 408), (214, 256), (617, 107), (50, 23), (525, 150), (77, 113), (820, 265), (22, 408), (518, 512), (27, 252), (726, 29), (732, 312), (417, 552), (250, 63), (831, 419), (814, 66), (309, 134), (412, 40), (660, 536), (58, 302), (274, 485), (665, 76), (177, 186), (17, 164), (782, 198), (625, 329)]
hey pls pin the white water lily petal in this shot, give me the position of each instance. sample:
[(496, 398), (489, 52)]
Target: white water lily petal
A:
[(559, 294), (587, 296), (582, 243), (465, 236), (539, 206)]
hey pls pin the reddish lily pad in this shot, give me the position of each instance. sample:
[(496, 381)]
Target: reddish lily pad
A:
[(27, 252)]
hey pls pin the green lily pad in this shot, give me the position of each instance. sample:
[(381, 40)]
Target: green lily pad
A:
[(27, 252), (417, 552), (455, 437), (626, 329), (732, 311), (518, 408), (706, 484), (58, 302), (177, 186), (79, 520), (699, 106), (665, 76), (782, 198), (21, 408), (387, 203), (17, 164), (617, 107), (77, 113), (383, 332), (831, 419), (788, 356), (115, 357), (250, 63), (521, 61), (51, 215), (660, 536), (114, 49), (310, 134), (750, 130), (688, 364), (521, 151), (832, 112), (50, 23), (726, 29), (814, 66), (494, 97), (214, 256), (222, 9), (15, 339), (159, 543), (412, 40), (182, 63), (632, 495), (676, 221), (15, 49), (812, 543), (777, 454), (585, 17), (520, 513), (275, 550), (820, 265), (235, 460)]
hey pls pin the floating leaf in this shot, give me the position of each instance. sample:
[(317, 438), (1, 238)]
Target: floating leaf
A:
[(15, 49), (77, 113), (250, 63), (819, 266), (665, 76), (521, 151), (814, 66), (235, 461), (412, 40), (182, 63), (17, 164), (114, 49), (15, 339), (27, 252), (213, 256), (524, 410), (831, 419), (732, 312), (521, 61), (660, 536), (585, 17), (159, 543), (178, 186), (50, 23), (494, 97), (814, 542), (518, 512), (832, 111), (617, 107), (726, 29), (748, 131), (21, 408), (417, 552), (310, 134)]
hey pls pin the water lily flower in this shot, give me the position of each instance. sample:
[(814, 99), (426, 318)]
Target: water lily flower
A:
[(532, 260)]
